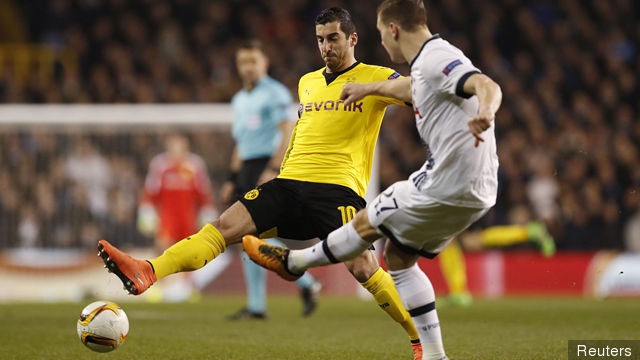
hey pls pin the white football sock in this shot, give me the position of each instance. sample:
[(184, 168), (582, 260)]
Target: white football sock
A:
[(418, 297), (342, 244)]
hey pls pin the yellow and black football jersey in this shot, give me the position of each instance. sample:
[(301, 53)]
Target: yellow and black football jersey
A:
[(333, 143)]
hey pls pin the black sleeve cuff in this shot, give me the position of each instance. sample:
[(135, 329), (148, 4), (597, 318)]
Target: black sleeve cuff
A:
[(460, 86), (408, 104)]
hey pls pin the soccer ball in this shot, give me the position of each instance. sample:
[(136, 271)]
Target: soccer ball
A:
[(103, 326)]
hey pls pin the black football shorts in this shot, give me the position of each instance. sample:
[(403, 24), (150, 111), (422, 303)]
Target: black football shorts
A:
[(300, 210)]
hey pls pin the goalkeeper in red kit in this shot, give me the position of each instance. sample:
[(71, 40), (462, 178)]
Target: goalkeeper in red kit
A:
[(176, 201)]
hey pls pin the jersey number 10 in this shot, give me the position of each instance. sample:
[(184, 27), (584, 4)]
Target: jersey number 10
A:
[(347, 212)]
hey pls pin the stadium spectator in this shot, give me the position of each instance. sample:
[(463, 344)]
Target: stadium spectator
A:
[(88, 168)]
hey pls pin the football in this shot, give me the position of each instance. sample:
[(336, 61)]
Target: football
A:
[(103, 326)]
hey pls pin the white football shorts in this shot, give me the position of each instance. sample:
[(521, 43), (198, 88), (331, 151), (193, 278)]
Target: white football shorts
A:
[(416, 223)]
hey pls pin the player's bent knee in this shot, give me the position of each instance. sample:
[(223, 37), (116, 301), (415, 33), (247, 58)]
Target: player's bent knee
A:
[(397, 259), (234, 223), (363, 267)]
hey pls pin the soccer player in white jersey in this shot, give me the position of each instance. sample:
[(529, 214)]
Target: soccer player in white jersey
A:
[(454, 105)]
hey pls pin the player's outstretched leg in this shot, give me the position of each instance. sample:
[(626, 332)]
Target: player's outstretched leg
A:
[(136, 275), (341, 245), (506, 235), (188, 254), (270, 257)]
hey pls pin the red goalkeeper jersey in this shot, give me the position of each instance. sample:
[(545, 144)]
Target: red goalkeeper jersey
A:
[(178, 188)]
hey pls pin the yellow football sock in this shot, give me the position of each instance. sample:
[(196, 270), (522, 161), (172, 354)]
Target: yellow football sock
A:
[(191, 253), (453, 268), (498, 236), (380, 285)]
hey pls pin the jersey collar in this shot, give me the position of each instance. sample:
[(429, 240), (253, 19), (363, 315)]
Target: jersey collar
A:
[(435, 36), (329, 77)]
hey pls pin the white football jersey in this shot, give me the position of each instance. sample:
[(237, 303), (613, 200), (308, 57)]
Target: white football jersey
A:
[(455, 173)]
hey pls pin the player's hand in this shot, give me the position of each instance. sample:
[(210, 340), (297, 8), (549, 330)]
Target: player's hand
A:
[(352, 92), (226, 193), (267, 174), (478, 124)]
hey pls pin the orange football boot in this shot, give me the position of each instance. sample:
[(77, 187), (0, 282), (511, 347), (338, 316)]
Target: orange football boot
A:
[(269, 256), (136, 275)]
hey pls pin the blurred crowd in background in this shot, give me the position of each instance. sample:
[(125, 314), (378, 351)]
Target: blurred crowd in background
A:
[(68, 190), (568, 130)]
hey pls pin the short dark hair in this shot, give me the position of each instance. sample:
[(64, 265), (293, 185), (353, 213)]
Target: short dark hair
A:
[(252, 44), (337, 14), (408, 14)]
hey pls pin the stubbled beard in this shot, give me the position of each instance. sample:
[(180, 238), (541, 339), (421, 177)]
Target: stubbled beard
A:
[(333, 65)]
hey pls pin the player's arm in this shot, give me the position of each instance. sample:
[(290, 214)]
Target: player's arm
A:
[(229, 186), (489, 99), (397, 89)]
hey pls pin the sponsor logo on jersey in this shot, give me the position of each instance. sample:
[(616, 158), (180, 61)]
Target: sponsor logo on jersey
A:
[(251, 195), (331, 105), (451, 66)]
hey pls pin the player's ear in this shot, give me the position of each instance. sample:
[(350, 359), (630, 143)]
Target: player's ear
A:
[(394, 30), (353, 39)]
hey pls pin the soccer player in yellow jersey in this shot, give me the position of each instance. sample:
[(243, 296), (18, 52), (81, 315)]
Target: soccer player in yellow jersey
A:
[(322, 179), (452, 261)]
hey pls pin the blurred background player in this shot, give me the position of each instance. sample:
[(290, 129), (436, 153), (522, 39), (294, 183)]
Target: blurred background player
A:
[(261, 128), (452, 261), (177, 200)]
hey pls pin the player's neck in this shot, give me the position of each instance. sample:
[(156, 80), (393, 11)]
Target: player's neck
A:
[(412, 43)]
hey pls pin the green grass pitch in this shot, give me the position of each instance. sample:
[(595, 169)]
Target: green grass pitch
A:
[(341, 328)]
